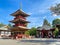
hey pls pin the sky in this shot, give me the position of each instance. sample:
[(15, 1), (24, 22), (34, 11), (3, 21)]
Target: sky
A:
[(37, 9)]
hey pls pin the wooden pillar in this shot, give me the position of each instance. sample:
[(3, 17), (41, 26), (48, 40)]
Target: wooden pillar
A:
[(42, 34)]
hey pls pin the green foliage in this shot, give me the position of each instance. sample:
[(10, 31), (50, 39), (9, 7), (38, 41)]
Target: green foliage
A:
[(55, 22), (46, 22), (1, 24), (56, 32), (9, 25), (33, 31), (55, 9), (27, 33)]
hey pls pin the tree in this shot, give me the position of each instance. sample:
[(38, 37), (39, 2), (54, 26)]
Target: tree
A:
[(1, 24), (55, 22), (46, 22), (27, 33), (33, 31), (56, 32), (55, 9), (9, 25)]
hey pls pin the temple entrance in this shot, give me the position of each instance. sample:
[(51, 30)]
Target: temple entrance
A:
[(14, 34), (17, 32), (45, 33)]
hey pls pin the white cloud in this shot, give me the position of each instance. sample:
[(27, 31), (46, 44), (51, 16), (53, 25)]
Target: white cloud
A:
[(56, 1), (44, 17), (42, 9), (54, 15), (34, 22), (30, 13)]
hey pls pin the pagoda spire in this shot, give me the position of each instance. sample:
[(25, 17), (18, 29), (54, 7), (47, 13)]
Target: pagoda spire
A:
[(21, 5)]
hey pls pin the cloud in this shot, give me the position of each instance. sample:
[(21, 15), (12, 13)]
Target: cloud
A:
[(34, 22), (56, 1), (38, 10), (54, 15), (30, 13), (44, 17)]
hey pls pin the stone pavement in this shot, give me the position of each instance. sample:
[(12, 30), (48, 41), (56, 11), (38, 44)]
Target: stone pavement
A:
[(18, 42)]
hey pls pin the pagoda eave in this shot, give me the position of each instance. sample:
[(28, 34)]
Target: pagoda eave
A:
[(19, 28), (17, 21), (13, 21), (19, 12)]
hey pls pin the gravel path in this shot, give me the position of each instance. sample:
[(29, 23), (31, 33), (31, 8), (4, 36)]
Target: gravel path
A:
[(17, 42)]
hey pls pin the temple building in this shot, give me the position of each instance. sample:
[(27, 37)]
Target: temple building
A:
[(20, 22), (45, 31), (4, 31)]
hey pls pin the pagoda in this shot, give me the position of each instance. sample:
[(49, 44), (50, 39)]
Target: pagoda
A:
[(20, 22)]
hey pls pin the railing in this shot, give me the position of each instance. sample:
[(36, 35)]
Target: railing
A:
[(19, 25), (20, 17)]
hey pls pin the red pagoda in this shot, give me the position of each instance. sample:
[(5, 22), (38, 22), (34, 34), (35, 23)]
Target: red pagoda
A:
[(20, 22)]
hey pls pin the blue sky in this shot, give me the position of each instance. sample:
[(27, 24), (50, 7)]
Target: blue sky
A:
[(37, 9)]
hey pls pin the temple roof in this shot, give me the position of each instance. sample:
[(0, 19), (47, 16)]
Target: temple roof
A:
[(16, 20), (19, 12), (4, 28), (21, 28), (45, 27)]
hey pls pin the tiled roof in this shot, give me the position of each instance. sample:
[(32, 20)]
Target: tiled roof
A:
[(20, 20), (4, 28), (45, 27), (19, 12)]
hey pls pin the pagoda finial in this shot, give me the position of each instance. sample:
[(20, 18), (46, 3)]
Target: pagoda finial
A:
[(20, 5)]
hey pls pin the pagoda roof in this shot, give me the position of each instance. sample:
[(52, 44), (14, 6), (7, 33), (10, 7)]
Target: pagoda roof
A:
[(16, 20), (19, 28), (19, 12), (45, 27)]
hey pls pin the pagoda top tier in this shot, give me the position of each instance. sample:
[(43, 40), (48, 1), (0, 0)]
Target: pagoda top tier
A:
[(19, 12)]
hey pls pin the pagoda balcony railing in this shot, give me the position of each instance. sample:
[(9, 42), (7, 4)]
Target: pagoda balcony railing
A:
[(20, 18), (20, 25)]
